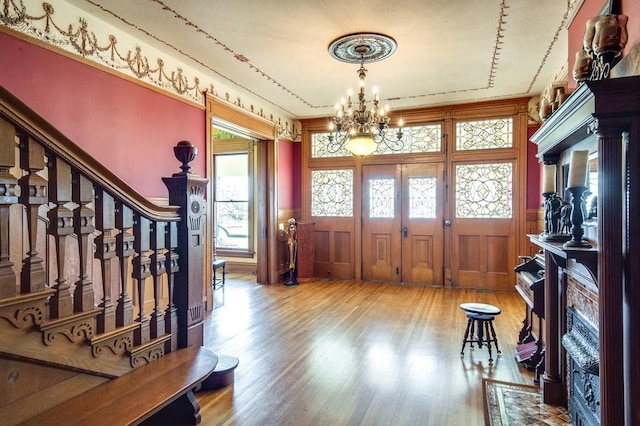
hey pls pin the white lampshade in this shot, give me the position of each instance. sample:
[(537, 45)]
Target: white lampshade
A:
[(361, 144)]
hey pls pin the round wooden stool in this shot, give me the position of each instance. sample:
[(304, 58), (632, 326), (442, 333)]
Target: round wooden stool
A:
[(480, 326)]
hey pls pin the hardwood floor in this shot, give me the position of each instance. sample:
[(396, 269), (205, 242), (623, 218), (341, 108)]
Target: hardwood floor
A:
[(353, 353)]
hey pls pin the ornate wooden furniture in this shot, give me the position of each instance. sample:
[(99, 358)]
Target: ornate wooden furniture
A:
[(218, 280), (95, 280), (604, 117), (530, 286), (480, 329), (137, 396)]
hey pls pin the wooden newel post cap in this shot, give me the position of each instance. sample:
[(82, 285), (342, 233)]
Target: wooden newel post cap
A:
[(185, 152)]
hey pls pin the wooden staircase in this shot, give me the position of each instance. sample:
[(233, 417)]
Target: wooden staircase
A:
[(95, 279)]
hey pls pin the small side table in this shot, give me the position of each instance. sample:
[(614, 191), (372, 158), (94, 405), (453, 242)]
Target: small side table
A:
[(217, 264)]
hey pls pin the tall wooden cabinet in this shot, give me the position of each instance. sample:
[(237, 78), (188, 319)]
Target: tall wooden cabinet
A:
[(608, 113)]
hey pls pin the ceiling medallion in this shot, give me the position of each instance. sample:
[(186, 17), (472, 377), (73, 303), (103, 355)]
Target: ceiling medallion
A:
[(361, 48)]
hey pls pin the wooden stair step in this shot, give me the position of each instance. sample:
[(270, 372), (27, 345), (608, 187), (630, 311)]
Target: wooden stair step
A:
[(222, 375)]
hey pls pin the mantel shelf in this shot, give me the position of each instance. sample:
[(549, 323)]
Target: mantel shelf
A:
[(585, 256)]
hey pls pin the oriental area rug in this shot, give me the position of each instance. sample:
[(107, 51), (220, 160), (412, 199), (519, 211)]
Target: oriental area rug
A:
[(512, 404)]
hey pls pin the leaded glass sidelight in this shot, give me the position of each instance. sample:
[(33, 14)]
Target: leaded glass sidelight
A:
[(422, 198), (332, 193), (484, 134), (381, 198), (484, 191)]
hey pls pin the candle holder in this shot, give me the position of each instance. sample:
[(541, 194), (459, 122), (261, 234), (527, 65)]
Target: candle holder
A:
[(552, 218), (577, 218)]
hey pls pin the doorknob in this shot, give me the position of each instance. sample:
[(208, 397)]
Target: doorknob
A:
[(405, 232), (447, 223)]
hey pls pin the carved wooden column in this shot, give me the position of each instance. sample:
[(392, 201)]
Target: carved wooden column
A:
[(124, 249), (553, 389), (106, 253), (611, 273), (631, 288), (9, 191), (187, 191), (60, 226), (158, 259), (83, 227), (33, 195), (171, 317), (141, 271)]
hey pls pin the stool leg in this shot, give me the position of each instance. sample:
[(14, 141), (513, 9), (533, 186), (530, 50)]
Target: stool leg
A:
[(488, 339), (481, 324), (466, 335), (495, 338)]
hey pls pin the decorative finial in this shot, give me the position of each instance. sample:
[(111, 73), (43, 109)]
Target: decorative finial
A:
[(185, 152)]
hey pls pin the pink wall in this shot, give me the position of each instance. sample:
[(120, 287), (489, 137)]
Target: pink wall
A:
[(591, 8), (534, 184), (285, 175), (129, 128), (289, 172)]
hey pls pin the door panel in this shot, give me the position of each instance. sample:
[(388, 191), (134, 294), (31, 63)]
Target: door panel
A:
[(483, 246), (422, 244), (381, 224), (402, 223)]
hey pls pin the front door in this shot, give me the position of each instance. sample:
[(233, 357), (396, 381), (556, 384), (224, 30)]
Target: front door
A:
[(402, 223)]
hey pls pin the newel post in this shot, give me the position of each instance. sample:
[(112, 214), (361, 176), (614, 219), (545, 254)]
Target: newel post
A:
[(187, 190)]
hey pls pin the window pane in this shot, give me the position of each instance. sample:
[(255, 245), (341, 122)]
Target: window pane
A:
[(422, 198), (232, 177), (484, 134), (381, 198), (332, 193), (232, 221), (414, 139), (484, 190)]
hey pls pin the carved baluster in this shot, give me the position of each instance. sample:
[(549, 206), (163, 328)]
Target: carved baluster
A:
[(9, 191), (171, 318), (33, 188), (141, 271), (60, 226), (106, 252), (83, 227), (124, 249), (157, 271)]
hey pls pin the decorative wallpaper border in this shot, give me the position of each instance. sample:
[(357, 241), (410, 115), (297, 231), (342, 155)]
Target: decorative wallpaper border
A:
[(99, 44)]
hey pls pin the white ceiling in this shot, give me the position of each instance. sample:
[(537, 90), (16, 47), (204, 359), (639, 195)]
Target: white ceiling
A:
[(449, 51)]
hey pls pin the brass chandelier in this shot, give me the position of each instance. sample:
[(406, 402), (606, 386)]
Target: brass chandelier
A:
[(360, 125)]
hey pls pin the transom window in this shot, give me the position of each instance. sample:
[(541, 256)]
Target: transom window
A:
[(418, 139), (484, 134)]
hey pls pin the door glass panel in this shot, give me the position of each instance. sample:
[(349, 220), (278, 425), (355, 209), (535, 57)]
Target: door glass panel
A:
[(381, 198), (484, 190), (332, 193), (422, 197), (484, 134)]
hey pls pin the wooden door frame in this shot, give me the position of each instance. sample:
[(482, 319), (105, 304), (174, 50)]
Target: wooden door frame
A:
[(265, 173)]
